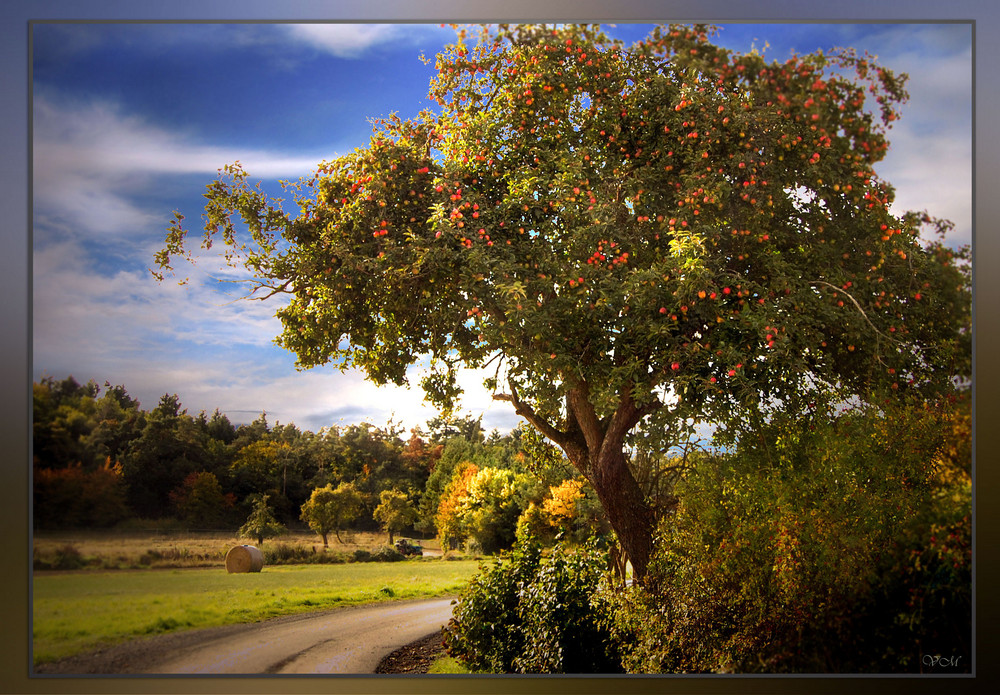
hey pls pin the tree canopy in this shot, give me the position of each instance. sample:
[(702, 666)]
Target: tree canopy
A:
[(665, 228), (329, 509)]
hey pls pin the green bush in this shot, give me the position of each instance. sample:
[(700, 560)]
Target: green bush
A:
[(484, 632), (562, 627), (529, 614), (385, 553), (828, 544)]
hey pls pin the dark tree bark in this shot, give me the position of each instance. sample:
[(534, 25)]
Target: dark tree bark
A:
[(596, 448), (628, 510)]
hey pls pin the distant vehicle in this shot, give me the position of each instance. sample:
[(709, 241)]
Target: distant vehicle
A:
[(408, 547)]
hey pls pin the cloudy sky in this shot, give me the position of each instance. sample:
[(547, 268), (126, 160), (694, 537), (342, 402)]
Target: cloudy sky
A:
[(131, 121)]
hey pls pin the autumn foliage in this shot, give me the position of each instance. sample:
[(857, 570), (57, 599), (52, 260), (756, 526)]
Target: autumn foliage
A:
[(75, 497), (828, 545)]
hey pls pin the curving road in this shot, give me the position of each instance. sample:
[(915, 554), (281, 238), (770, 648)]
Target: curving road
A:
[(348, 640)]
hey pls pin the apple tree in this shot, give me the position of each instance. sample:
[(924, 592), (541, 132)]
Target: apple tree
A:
[(664, 231)]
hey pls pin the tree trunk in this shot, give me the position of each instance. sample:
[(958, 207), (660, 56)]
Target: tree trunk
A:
[(596, 448), (626, 507)]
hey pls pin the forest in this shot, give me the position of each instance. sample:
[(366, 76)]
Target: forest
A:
[(101, 460)]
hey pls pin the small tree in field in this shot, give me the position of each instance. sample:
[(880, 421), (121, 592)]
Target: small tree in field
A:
[(261, 524), (329, 509), (395, 512), (633, 236)]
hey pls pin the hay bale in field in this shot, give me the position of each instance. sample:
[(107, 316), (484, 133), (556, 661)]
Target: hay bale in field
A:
[(244, 558)]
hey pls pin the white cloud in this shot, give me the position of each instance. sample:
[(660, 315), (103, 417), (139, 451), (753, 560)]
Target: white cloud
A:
[(354, 40), (89, 159), (343, 40), (930, 155), (933, 173), (110, 316)]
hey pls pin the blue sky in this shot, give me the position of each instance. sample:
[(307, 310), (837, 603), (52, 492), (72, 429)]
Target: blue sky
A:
[(131, 121)]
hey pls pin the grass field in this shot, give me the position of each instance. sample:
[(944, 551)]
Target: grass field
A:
[(184, 585), (79, 611)]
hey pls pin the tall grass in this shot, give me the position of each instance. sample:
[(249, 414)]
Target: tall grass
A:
[(79, 611)]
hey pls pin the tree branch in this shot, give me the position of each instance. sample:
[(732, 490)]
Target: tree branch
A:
[(579, 406), (856, 305), (561, 439), (274, 290)]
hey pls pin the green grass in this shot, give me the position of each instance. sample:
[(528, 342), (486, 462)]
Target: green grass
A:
[(79, 611), (447, 664)]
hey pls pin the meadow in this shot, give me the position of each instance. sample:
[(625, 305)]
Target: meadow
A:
[(81, 610)]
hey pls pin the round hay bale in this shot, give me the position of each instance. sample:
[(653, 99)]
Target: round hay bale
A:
[(244, 558)]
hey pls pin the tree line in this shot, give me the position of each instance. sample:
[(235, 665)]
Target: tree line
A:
[(101, 460)]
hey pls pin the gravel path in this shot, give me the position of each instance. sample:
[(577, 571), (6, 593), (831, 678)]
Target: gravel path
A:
[(346, 640)]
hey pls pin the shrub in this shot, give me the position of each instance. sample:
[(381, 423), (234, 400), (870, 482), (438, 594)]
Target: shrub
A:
[(827, 545), (563, 629), (385, 553), (529, 614), (283, 554), (65, 557), (484, 632)]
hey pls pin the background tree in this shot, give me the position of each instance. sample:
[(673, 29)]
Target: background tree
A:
[(630, 234), (201, 502), (72, 498), (261, 524), (395, 512), (449, 521), (560, 505), (494, 501), (170, 447), (462, 448), (262, 467), (445, 427), (65, 417), (329, 509)]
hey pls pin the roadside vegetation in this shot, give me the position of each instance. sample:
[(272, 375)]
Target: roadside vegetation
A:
[(838, 543)]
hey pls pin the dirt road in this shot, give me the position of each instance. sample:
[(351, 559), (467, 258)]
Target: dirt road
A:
[(347, 640)]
